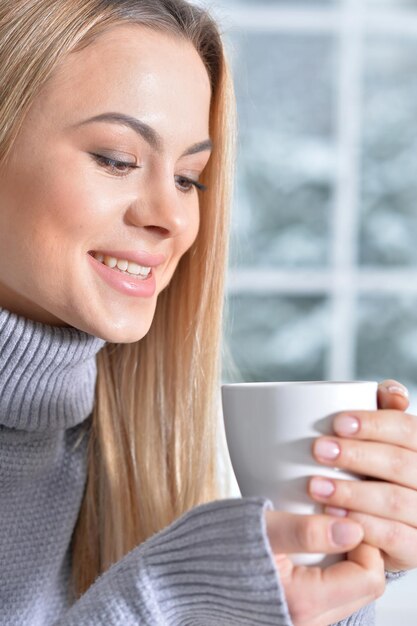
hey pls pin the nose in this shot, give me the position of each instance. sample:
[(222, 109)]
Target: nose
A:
[(160, 208)]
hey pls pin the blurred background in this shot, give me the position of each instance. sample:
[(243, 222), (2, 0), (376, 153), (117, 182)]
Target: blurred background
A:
[(323, 267)]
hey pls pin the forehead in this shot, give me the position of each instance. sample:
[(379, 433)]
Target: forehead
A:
[(155, 76)]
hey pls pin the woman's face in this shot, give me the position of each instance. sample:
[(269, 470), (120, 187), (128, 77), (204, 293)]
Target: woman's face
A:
[(122, 188)]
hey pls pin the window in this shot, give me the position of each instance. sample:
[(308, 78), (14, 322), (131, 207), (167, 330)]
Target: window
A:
[(323, 268)]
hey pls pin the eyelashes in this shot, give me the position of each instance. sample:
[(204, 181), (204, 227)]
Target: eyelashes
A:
[(186, 184), (123, 169), (114, 166)]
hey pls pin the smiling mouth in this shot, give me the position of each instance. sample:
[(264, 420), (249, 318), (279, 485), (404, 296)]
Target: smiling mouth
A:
[(130, 268)]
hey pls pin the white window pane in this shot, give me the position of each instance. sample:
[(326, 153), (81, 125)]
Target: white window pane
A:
[(286, 90), (387, 339), (389, 153), (277, 337)]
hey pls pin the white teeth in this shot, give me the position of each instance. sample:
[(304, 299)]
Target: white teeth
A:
[(134, 268), (123, 265), (138, 270), (110, 261)]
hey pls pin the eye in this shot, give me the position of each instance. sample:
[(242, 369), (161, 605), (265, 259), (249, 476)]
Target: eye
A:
[(114, 166), (186, 185)]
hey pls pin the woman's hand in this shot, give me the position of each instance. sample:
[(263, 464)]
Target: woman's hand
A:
[(381, 445), (315, 596)]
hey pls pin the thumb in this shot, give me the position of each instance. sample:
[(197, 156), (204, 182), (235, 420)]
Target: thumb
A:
[(289, 533)]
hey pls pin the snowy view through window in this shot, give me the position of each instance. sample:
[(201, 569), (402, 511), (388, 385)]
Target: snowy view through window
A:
[(323, 266)]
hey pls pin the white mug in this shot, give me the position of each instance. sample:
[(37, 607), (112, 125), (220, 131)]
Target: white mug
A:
[(270, 429)]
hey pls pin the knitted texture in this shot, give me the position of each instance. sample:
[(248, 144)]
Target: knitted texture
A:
[(211, 567), (47, 374)]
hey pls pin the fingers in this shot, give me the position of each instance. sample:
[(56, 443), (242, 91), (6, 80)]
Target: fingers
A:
[(397, 540), (379, 460), (340, 613), (389, 426), (320, 597), (385, 511), (284, 565), (362, 574), (289, 533), (385, 500), (392, 395)]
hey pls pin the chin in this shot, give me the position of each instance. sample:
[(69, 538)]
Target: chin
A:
[(112, 332)]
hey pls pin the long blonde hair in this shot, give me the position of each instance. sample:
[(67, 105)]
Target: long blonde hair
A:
[(153, 441)]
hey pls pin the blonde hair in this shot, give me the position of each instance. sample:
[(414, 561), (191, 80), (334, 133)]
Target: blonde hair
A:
[(153, 442)]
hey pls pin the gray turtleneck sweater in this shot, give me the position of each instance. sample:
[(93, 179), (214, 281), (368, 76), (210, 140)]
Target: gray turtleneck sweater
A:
[(213, 566)]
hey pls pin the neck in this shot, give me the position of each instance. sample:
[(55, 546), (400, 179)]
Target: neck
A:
[(47, 374)]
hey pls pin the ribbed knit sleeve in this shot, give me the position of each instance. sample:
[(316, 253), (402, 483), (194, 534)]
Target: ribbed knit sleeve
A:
[(211, 567)]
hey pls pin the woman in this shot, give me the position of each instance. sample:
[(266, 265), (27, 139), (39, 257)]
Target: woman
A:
[(116, 149)]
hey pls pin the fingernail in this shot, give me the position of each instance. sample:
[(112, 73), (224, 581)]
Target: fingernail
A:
[(346, 425), (321, 487), (325, 449), (345, 533), (399, 389), (336, 511)]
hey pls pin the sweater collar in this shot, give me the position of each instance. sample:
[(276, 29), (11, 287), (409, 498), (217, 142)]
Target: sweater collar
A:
[(47, 374)]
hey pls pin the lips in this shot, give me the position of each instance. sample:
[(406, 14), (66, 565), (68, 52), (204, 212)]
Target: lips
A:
[(122, 282)]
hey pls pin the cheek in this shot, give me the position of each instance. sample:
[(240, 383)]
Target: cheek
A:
[(194, 227), (190, 234), (68, 204), (65, 208), (48, 215), (44, 201), (182, 244)]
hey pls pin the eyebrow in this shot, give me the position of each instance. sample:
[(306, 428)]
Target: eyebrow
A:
[(145, 131)]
